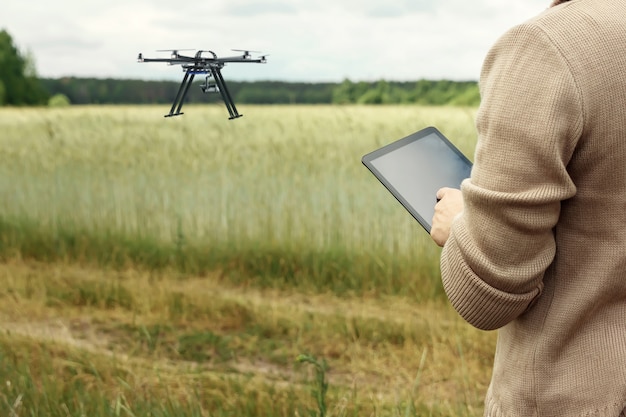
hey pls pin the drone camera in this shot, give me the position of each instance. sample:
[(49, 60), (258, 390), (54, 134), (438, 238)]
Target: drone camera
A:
[(208, 87)]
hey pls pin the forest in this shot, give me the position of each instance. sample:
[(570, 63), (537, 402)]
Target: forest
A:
[(128, 91)]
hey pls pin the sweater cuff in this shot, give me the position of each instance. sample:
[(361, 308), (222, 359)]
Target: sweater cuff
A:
[(480, 304)]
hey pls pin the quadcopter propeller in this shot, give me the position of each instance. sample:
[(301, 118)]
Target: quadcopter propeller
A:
[(246, 52), (174, 52)]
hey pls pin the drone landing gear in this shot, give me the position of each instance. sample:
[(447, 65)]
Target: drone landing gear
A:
[(208, 87), (220, 85), (180, 96)]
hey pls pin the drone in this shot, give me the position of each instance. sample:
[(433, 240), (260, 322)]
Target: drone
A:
[(205, 63)]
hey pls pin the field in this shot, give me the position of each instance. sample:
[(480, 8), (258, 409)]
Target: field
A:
[(197, 266)]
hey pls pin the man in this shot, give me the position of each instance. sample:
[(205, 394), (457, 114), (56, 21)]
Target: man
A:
[(534, 243)]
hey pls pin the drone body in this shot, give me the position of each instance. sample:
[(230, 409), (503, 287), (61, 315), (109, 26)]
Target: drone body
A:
[(208, 65)]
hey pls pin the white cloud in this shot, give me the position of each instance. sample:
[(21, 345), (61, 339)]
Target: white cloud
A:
[(327, 40)]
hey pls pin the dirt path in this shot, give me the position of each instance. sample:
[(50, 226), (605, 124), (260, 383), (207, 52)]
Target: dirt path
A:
[(379, 344)]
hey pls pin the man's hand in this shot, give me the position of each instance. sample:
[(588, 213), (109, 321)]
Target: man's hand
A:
[(450, 204)]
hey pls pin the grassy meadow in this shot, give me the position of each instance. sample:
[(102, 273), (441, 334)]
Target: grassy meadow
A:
[(196, 266)]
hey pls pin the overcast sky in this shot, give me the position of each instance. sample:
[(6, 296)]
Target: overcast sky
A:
[(307, 40)]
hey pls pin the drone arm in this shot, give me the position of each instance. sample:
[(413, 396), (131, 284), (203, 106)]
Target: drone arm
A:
[(171, 61), (221, 86)]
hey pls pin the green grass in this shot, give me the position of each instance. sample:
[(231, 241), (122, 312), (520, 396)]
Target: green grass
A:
[(280, 196), (50, 382)]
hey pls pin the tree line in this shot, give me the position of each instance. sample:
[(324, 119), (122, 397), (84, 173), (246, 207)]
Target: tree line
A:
[(20, 85), (120, 91)]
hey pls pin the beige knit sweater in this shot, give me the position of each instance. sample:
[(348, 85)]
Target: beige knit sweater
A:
[(539, 251)]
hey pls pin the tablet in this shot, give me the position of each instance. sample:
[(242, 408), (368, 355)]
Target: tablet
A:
[(415, 167)]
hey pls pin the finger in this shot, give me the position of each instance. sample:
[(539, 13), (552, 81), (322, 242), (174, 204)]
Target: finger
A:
[(441, 193)]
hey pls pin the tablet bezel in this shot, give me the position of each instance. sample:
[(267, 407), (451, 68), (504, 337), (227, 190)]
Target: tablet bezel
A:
[(368, 159)]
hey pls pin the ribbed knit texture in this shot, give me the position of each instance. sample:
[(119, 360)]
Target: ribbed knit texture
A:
[(540, 249)]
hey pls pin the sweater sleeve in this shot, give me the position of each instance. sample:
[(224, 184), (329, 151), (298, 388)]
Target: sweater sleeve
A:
[(528, 123)]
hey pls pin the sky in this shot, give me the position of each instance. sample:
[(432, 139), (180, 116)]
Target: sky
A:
[(305, 40)]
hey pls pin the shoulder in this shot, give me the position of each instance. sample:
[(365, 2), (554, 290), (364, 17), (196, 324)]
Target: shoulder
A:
[(550, 41), (575, 37)]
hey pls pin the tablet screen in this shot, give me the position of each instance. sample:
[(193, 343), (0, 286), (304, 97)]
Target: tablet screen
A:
[(415, 167)]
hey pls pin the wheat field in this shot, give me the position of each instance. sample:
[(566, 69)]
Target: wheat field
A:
[(157, 266)]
